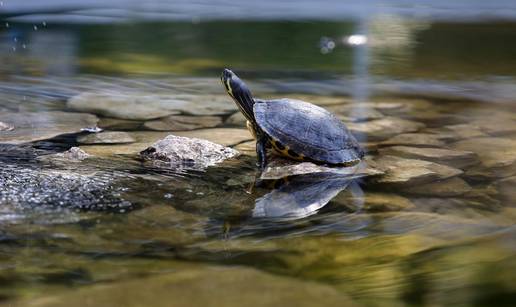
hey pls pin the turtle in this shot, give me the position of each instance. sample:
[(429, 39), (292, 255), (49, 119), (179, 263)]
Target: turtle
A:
[(292, 128)]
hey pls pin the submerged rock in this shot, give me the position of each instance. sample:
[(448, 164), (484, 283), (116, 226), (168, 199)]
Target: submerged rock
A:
[(443, 188), (410, 172), (108, 137), (181, 123), (223, 136), (135, 106), (119, 124), (460, 131), (236, 119), (35, 126), (381, 129), (497, 156), (416, 139), (374, 202), (145, 106), (194, 287), (454, 158), (191, 151)]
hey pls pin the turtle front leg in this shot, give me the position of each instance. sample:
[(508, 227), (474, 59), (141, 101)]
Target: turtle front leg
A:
[(261, 153)]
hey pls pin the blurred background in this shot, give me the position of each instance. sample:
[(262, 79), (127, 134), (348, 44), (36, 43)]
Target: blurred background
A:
[(431, 81)]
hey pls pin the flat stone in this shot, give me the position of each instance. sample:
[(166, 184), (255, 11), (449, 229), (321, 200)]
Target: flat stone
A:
[(108, 137), (384, 128), (195, 287), (410, 172), (182, 123), (119, 124), (135, 106), (355, 112), (143, 139), (236, 119), (248, 147), (374, 202), (416, 139), (223, 136), (278, 167), (443, 188), (180, 150), (497, 156), (6, 127), (454, 158), (462, 131), (35, 126), (145, 106), (496, 126)]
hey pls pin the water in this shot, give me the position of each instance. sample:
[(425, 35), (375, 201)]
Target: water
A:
[(406, 79)]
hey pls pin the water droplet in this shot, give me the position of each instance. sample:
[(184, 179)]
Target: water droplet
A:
[(356, 39), (168, 195), (44, 23), (35, 28), (7, 25)]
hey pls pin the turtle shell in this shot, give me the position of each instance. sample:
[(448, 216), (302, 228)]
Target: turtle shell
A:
[(308, 130)]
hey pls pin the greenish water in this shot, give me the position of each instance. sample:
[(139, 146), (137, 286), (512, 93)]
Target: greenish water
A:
[(122, 231)]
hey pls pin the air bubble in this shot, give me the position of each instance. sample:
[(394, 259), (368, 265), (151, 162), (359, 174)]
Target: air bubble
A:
[(24, 46), (35, 28), (44, 23), (7, 25)]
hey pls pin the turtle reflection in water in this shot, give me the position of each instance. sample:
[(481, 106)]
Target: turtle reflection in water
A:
[(302, 195), (293, 128)]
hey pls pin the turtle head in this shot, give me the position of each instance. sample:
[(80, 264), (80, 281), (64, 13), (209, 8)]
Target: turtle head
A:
[(240, 93)]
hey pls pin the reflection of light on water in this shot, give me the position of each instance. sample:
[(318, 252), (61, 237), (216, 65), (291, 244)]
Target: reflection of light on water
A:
[(326, 44), (355, 39)]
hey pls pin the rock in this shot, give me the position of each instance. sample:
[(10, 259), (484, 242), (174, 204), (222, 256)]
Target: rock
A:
[(143, 139), (236, 119), (416, 139), (410, 172), (135, 106), (443, 188), (454, 158), (35, 126), (374, 202), (223, 136), (180, 150), (248, 147), (108, 137), (182, 123), (119, 124), (506, 188), (280, 167), (6, 127), (497, 156), (74, 154), (355, 112), (384, 128), (461, 131), (194, 287), (40, 191), (145, 106)]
